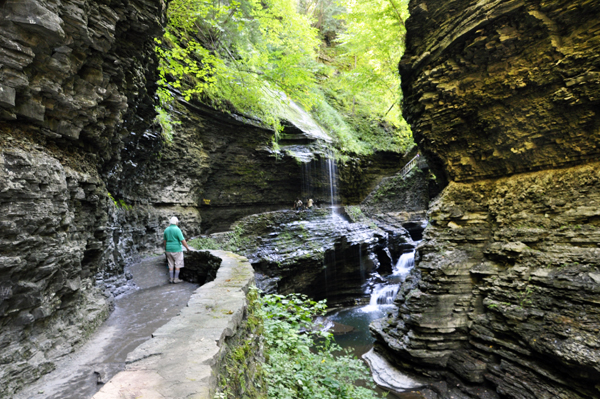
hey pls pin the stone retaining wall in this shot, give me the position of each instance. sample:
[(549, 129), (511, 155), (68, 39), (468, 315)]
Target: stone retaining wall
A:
[(187, 356)]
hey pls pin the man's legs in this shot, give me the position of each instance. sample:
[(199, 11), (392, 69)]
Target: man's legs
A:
[(178, 266), (171, 263)]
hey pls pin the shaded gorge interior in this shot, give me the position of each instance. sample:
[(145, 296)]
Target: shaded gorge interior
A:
[(465, 265)]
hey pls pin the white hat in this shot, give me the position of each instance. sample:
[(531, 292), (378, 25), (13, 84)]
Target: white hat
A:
[(174, 220)]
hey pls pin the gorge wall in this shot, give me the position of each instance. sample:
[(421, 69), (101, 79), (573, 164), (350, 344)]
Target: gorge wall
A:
[(503, 98), (73, 77), (87, 182)]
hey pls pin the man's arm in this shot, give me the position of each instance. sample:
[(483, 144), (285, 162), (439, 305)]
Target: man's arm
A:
[(185, 245), (164, 244)]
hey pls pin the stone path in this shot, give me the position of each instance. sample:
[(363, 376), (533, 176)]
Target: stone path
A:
[(136, 315), (182, 358)]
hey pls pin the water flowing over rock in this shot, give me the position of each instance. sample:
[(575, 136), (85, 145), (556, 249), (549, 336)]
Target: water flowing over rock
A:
[(503, 300), (314, 253)]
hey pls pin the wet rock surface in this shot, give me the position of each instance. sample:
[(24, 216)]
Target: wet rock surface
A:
[(151, 302), (505, 294), (73, 75), (312, 252), (200, 267)]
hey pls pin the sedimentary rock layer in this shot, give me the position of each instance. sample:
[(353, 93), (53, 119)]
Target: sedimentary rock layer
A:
[(79, 71), (315, 253), (499, 87), (503, 100), (508, 285), (72, 75)]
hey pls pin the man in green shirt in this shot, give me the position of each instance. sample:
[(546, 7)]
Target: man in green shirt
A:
[(172, 241)]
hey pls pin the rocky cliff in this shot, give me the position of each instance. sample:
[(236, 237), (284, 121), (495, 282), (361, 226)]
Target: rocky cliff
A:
[(76, 84), (494, 88), (503, 99), (314, 252)]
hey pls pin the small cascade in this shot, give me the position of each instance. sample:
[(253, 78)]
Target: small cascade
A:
[(404, 264), (384, 293)]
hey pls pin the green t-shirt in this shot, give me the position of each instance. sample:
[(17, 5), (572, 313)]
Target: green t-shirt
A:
[(173, 236)]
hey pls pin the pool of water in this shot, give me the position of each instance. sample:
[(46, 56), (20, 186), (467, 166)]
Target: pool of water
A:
[(351, 325), (351, 329)]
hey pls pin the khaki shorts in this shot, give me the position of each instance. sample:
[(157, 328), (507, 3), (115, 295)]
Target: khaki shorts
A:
[(175, 259)]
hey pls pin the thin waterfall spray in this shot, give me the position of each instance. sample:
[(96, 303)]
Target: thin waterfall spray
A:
[(332, 173), (307, 183)]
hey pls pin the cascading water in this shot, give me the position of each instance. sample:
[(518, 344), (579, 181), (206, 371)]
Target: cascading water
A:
[(307, 179), (319, 181), (384, 293), (357, 319), (332, 169), (404, 265)]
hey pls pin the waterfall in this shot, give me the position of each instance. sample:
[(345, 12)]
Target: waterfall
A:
[(306, 180), (319, 180), (404, 264), (384, 293), (332, 171)]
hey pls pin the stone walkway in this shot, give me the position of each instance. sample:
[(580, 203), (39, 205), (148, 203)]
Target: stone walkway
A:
[(182, 358), (136, 315)]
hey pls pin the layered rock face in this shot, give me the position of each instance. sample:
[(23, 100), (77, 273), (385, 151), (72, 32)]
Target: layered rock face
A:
[(507, 286), (72, 76), (225, 166), (494, 88), (218, 169), (314, 253), (503, 300), (75, 70), (359, 176)]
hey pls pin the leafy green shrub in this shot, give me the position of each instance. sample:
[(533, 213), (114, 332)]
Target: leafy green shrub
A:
[(120, 203), (235, 241), (166, 122), (301, 360)]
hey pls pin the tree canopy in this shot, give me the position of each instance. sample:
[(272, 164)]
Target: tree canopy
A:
[(337, 59)]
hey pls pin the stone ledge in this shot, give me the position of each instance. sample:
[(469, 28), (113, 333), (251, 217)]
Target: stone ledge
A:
[(183, 357)]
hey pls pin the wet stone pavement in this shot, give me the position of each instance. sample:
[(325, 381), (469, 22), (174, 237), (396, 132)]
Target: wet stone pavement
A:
[(136, 316)]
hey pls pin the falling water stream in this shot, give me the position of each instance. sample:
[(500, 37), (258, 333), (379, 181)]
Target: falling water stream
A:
[(319, 182), (352, 324)]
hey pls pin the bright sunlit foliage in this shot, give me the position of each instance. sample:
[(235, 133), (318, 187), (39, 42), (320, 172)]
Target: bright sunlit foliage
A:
[(337, 59), (370, 48)]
